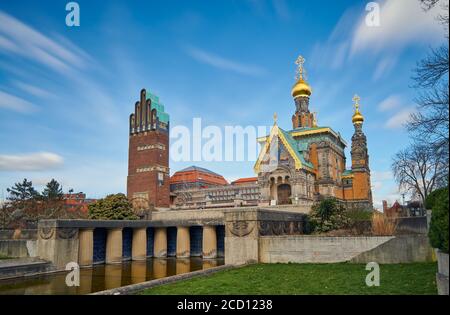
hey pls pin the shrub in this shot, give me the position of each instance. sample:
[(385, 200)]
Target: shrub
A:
[(438, 232), (113, 207), (382, 225), (431, 198), (328, 215), (359, 221)]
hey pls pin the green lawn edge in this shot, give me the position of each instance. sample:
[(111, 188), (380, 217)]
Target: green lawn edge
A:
[(301, 279)]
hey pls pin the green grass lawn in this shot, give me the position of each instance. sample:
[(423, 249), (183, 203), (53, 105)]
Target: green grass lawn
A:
[(342, 278)]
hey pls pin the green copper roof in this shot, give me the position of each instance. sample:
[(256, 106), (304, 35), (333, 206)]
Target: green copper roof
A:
[(295, 146), (160, 113), (347, 172)]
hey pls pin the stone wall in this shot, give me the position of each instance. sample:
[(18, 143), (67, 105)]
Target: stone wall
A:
[(358, 249), (18, 248), (400, 249), (244, 230), (189, 217), (315, 249)]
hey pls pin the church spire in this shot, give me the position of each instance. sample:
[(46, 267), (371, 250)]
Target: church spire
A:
[(301, 88), (357, 117), (301, 91)]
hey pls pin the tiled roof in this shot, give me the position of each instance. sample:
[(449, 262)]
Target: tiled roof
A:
[(295, 147), (245, 180), (199, 169), (195, 174)]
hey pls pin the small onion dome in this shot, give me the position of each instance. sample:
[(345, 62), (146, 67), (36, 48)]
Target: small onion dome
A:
[(301, 88), (357, 117)]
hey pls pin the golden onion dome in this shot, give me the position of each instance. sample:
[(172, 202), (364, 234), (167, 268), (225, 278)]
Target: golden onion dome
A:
[(301, 88), (357, 117)]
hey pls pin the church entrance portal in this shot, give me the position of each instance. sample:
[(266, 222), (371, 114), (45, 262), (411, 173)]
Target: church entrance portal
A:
[(284, 194)]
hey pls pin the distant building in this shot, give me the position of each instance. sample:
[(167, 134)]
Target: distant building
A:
[(413, 208), (148, 154), (78, 201), (195, 177), (196, 187), (396, 210), (245, 181)]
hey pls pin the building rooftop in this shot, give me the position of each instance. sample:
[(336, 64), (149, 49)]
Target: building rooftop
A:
[(193, 174)]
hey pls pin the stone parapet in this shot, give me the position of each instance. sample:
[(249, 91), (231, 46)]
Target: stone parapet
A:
[(243, 230)]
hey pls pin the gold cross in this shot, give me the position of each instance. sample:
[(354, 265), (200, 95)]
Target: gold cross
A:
[(275, 118), (299, 62), (356, 99)]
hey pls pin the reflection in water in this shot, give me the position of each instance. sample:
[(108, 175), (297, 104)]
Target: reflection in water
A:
[(103, 277)]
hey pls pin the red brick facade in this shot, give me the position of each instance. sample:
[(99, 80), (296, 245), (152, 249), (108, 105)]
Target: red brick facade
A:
[(148, 159)]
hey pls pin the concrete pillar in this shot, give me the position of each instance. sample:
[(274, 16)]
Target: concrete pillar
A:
[(160, 242), (114, 246), (183, 242), (209, 247), (139, 245), (85, 247)]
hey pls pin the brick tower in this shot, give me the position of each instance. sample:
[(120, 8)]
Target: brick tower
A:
[(360, 160), (148, 154)]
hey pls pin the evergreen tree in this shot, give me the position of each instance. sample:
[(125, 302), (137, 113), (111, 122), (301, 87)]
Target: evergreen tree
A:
[(53, 191), (22, 191)]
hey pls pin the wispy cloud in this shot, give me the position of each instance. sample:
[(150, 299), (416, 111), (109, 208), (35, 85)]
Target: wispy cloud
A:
[(32, 89), (398, 120), (390, 103), (15, 103), (17, 38), (402, 24), (40, 161), (384, 66), (224, 63)]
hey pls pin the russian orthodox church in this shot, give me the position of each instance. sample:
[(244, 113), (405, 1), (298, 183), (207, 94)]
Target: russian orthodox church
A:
[(297, 166), (307, 163)]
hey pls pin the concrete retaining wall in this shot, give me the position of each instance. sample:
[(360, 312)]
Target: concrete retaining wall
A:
[(401, 249), (315, 249), (18, 248), (359, 249)]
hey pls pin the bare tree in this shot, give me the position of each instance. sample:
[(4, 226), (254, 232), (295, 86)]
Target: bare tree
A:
[(429, 125), (420, 170)]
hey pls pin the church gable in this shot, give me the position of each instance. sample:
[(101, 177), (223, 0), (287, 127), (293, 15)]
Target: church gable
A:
[(278, 150)]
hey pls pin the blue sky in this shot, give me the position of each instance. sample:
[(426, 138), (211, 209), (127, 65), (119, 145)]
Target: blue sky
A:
[(66, 92)]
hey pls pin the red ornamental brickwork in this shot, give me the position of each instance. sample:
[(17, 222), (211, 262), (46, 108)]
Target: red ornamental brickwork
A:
[(148, 156)]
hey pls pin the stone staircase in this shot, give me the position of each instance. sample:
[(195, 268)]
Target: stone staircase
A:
[(13, 268)]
